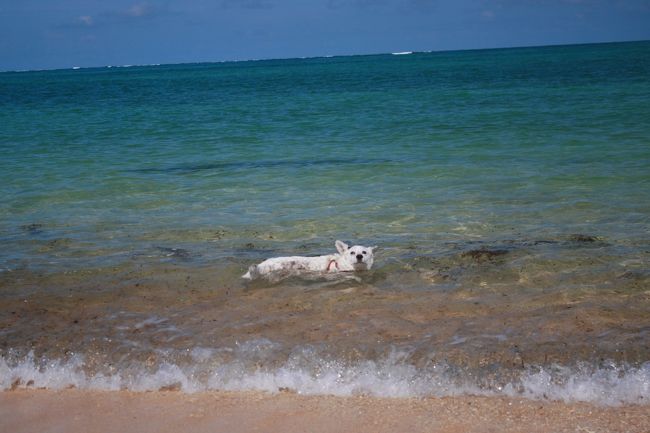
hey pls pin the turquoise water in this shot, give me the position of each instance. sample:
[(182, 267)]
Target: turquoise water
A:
[(497, 143), (538, 155)]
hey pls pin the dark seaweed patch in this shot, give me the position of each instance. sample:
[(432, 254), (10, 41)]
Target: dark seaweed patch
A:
[(251, 165), (635, 275), (177, 253), (33, 229), (484, 254), (583, 238)]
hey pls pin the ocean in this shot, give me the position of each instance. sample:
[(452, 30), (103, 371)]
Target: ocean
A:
[(507, 190)]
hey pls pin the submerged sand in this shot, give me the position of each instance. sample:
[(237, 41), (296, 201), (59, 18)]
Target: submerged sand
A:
[(75, 411)]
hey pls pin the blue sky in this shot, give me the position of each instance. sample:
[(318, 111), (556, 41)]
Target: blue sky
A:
[(40, 34)]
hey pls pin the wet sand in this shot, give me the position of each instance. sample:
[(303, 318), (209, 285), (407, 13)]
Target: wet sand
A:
[(75, 411)]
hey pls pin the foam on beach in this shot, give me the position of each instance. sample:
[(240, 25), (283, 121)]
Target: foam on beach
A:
[(306, 373)]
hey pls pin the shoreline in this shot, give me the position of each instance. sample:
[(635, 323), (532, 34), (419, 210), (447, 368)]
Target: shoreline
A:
[(80, 411)]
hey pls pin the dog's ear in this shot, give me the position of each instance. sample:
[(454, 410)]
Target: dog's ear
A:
[(374, 248), (341, 247)]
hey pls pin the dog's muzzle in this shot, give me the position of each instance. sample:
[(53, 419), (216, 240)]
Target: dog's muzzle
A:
[(359, 258)]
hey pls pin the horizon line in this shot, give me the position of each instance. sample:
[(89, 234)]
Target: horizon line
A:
[(324, 56)]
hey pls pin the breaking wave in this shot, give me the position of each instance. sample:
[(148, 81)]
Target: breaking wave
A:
[(307, 372)]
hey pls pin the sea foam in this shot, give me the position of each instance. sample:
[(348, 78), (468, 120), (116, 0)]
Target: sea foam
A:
[(609, 385)]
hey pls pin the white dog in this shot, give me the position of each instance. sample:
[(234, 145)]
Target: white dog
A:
[(356, 258)]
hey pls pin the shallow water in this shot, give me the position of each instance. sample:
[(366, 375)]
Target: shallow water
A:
[(507, 190)]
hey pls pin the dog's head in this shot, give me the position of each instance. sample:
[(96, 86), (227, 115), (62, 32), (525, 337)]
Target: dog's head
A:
[(360, 258)]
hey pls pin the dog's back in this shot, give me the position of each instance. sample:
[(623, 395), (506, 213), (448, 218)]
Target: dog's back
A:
[(356, 258), (290, 265)]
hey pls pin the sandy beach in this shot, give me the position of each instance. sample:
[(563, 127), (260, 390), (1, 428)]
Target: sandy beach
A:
[(74, 411)]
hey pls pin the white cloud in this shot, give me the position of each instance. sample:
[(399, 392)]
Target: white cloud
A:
[(132, 14), (139, 10), (86, 20)]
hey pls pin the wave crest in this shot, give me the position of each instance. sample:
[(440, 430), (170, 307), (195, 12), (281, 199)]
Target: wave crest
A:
[(307, 372)]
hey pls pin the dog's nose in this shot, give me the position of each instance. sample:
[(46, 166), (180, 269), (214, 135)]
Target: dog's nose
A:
[(359, 257)]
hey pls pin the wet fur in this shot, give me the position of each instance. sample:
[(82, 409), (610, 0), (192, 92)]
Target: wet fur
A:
[(348, 259)]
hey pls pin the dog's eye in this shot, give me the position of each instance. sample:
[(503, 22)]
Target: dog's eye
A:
[(364, 252), (351, 253)]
